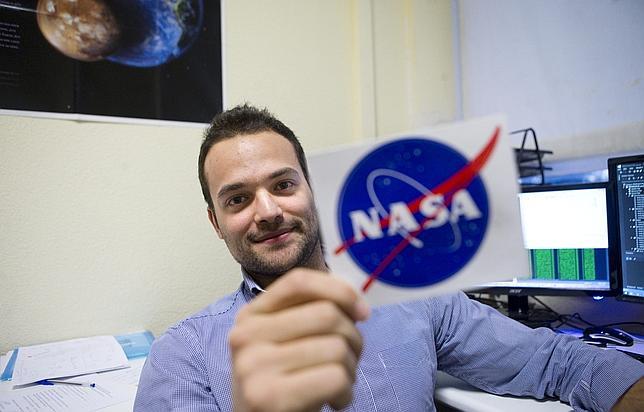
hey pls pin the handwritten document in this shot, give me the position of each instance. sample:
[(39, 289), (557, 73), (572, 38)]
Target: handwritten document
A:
[(68, 358)]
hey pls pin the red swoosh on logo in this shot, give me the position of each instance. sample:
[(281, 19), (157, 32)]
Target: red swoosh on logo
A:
[(457, 181)]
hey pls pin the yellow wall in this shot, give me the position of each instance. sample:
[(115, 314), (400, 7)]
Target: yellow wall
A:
[(102, 226)]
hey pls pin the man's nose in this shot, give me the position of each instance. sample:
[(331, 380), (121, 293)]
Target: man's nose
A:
[(267, 210)]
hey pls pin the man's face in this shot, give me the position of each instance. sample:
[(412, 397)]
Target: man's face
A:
[(263, 206)]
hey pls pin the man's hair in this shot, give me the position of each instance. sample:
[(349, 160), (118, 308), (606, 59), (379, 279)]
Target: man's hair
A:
[(243, 120)]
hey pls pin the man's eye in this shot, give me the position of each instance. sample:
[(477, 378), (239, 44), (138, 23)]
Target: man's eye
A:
[(236, 200), (284, 185)]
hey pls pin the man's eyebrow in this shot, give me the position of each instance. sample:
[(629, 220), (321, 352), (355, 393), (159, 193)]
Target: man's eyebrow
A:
[(281, 172), (236, 186), (229, 188)]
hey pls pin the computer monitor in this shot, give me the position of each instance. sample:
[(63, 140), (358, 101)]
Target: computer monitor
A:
[(566, 235), (626, 176)]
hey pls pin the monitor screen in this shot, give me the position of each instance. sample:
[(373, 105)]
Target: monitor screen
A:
[(565, 231), (626, 174)]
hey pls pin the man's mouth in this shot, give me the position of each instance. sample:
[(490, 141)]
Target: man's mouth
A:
[(274, 236)]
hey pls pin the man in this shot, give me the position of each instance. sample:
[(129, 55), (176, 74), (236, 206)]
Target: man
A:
[(294, 338)]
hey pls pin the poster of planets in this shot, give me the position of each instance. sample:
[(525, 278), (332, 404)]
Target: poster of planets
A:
[(141, 59)]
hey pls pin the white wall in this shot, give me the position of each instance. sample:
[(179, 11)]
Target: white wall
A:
[(343, 69), (103, 230), (102, 226), (573, 70)]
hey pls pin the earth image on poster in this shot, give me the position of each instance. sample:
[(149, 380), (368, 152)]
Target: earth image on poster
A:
[(139, 33)]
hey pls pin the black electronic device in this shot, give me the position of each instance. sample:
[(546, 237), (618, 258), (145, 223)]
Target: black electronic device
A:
[(626, 180), (567, 237), (607, 336)]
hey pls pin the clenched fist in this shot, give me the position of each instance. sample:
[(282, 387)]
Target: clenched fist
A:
[(296, 346)]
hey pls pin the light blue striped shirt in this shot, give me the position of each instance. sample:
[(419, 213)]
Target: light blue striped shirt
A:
[(189, 367)]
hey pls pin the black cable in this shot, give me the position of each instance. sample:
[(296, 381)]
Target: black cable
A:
[(623, 323), (578, 316), (545, 306), (573, 320)]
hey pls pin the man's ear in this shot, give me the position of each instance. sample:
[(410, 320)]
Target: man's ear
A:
[(213, 220)]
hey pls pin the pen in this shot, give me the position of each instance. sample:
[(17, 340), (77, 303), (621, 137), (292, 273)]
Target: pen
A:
[(51, 382)]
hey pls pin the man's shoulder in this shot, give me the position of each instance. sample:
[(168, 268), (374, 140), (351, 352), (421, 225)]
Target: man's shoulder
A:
[(202, 328), (215, 318), (425, 303), (222, 311)]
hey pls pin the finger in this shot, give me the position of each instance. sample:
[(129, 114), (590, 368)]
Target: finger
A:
[(304, 390), (331, 382), (303, 285), (310, 319), (295, 355)]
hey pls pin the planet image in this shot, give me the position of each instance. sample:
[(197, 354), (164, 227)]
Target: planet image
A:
[(84, 30), (139, 33)]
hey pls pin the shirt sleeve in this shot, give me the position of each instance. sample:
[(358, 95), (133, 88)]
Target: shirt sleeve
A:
[(494, 353), (174, 376)]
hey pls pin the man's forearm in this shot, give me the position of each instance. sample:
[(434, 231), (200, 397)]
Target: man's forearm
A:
[(632, 400)]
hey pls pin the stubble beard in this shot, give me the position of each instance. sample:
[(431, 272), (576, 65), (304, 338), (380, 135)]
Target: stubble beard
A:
[(274, 263)]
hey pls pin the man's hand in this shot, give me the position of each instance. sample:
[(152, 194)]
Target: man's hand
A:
[(632, 400), (296, 346)]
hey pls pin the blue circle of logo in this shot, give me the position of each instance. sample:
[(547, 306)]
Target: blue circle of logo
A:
[(393, 223)]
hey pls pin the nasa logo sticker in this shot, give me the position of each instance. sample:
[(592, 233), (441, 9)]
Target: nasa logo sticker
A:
[(412, 213)]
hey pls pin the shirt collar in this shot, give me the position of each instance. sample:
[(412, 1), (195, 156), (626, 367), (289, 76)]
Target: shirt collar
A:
[(251, 285)]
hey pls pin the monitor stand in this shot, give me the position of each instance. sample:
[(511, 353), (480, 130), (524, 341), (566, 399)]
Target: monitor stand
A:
[(519, 310)]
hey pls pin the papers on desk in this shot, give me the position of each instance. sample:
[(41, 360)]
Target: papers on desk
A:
[(101, 360), (69, 358), (63, 398), (115, 388)]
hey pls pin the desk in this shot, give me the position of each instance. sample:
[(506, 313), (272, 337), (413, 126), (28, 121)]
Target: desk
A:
[(462, 396)]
